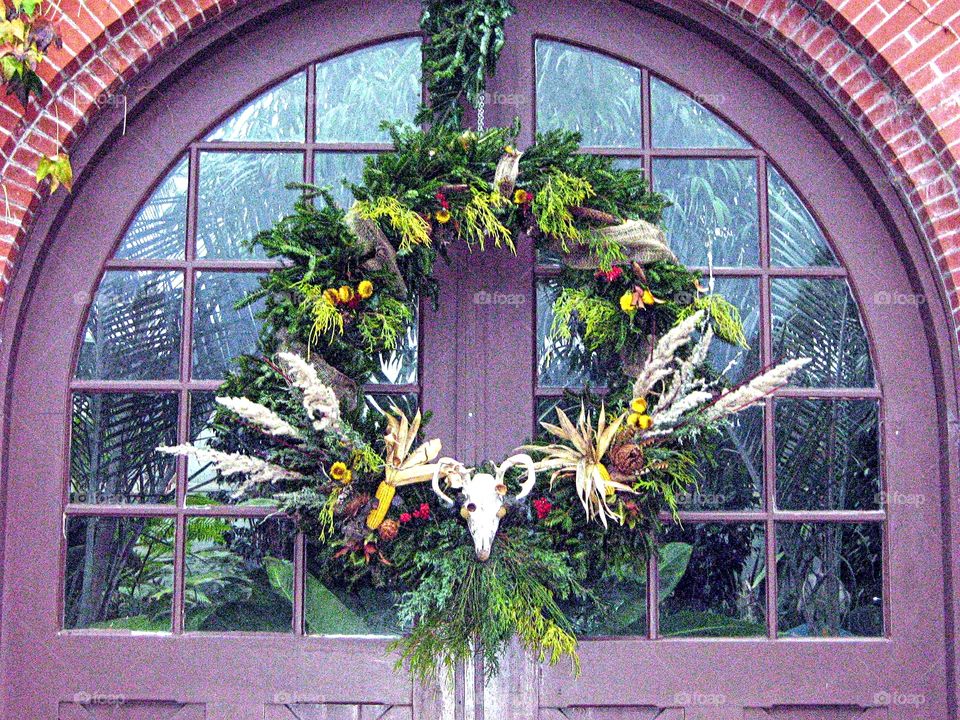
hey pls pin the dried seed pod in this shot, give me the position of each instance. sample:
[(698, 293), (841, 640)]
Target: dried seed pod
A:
[(388, 529)]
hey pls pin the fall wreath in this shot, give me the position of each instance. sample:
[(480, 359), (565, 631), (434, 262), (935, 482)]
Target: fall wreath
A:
[(536, 545)]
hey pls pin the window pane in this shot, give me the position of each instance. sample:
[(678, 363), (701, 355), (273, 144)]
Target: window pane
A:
[(561, 364), (133, 329), (745, 295), (220, 331), (734, 481), (680, 121), (399, 366), (356, 92), (714, 209), (828, 454), (409, 403), (331, 169), (239, 574), (159, 230), (204, 483), (119, 573), (713, 581), (795, 237), (547, 412), (278, 114), (621, 590), (589, 92), (241, 194), (818, 318), (830, 580), (331, 608), (113, 442)]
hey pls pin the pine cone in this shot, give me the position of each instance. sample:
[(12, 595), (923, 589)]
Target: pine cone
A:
[(388, 529), (355, 504), (626, 459)]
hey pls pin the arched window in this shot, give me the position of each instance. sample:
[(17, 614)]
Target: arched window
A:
[(803, 580)]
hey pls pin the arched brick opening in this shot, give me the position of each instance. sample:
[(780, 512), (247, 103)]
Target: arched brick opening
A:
[(889, 66)]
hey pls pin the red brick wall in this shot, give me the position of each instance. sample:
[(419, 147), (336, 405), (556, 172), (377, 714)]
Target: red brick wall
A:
[(891, 66)]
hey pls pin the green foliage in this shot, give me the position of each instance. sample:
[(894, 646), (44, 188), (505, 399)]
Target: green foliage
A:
[(480, 220), (325, 613), (408, 225), (604, 324), (552, 204), (58, 169), (465, 42), (724, 317), (458, 602), (384, 326)]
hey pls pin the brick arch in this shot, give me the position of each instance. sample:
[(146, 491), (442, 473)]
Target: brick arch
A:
[(887, 65)]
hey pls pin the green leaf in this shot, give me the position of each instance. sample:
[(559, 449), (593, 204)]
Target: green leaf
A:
[(58, 169), (325, 614), (674, 558), (26, 6)]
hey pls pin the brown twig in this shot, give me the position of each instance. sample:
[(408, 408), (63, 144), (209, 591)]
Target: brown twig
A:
[(593, 215)]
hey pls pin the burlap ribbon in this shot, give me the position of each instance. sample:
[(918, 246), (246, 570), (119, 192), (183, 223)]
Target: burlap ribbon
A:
[(505, 177), (642, 243), (372, 240)]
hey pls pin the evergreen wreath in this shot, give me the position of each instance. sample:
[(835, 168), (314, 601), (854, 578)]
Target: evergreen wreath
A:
[(373, 493)]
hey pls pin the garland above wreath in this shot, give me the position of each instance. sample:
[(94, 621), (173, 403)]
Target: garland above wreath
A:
[(470, 562)]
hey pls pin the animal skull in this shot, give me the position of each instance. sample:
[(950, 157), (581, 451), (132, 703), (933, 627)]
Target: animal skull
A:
[(483, 497)]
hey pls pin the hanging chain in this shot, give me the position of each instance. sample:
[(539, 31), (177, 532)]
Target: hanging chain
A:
[(481, 102)]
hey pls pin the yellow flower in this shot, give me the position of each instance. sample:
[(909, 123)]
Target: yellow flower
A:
[(520, 196), (626, 302), (639, 405), (510, 150), (640, 421), (331, 295), (345, 294), (443, 216), (365, 289), (340, 471), (647, 298)]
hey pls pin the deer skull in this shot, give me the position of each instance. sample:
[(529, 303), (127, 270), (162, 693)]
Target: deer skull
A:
[(483, 497)]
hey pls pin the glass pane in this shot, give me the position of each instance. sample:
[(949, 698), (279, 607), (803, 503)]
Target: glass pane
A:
[(220, 331), (713, 581), (409, 403), (159, 230), (795, 237), (399, 367), (818, 318), (119, 573), (564, 364), (734, 480), (278, 114), (714, 210), (621, 589), (589, 92), (133, 329), (204, 483), (241, 194), (745, 294), (547, 412), (331, 608), (356, 92), (331, 169), (239, 574), (681, 121), (828, 454), (113, 448), (829, 579)]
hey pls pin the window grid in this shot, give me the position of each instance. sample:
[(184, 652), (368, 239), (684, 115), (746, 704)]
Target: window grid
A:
[(186, 384), (768, 514)]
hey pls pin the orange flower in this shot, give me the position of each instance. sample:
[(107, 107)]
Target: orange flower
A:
[(345, 294), (331, 296)]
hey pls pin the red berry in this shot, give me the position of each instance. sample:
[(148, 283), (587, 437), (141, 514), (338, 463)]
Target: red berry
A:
[(405, 517)]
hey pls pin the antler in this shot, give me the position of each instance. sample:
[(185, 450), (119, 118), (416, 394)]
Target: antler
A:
[(449, 467), (520, 459)]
